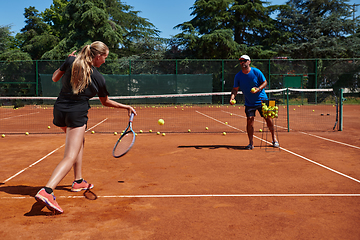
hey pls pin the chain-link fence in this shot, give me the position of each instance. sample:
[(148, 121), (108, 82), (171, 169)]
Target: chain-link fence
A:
[(139, 77)]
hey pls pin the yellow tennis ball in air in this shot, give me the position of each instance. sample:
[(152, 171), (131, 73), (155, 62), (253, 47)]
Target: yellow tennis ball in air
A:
[(253, 90), (115, 133), (49, 127), (206, 128), (163, 134), (3, 135), (158, 133), (189, 130), (150, 131), (141, 131), (26, 133), (224, 133), (161, 121), (92, 132), (260, 130)]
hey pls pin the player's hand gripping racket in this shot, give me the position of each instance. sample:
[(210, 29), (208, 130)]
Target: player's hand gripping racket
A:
[(126, 140)]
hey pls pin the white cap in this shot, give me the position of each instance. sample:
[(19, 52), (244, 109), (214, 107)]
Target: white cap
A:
[(246, 57)]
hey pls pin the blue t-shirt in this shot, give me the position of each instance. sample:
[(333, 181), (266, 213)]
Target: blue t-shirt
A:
[(247, 81)]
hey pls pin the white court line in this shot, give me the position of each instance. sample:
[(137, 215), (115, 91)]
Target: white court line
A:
[(210, 195), (312, 135), (18, 116), (295, 154), (330, 140), (41, 159), (220, 121), (33, 164)]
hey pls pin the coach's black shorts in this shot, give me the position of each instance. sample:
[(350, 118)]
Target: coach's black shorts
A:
[(70, 119), (250, 111)]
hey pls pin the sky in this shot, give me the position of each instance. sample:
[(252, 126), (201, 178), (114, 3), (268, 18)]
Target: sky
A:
[(164, 14)]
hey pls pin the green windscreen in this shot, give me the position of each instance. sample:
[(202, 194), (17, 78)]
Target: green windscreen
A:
[(141, 84)]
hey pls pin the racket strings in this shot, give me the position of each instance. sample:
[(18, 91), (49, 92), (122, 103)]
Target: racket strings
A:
[(124, 144)]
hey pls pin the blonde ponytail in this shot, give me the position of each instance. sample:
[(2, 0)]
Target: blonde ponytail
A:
[(81, 69)]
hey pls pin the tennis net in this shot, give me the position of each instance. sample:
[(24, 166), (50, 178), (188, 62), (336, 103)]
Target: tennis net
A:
[(299, 110)]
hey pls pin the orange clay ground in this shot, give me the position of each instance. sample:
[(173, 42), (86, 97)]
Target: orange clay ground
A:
[(189, 186)]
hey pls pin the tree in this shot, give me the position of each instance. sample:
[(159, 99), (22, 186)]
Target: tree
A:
[(35, 38), (5, 38), (54, 17), (109, 21), (227, 28), (318, 29)]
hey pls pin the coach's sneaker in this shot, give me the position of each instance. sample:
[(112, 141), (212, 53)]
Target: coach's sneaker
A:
[(275, 144), (84, 185), (49, 200), (249, 147)]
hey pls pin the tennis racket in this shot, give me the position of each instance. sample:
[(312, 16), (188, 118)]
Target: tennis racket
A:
[(126, 140)]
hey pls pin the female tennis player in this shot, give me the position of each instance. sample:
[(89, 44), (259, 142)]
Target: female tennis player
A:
[(80, 82)]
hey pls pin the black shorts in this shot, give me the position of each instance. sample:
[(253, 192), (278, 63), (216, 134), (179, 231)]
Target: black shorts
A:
[(70, 119), (250, 111)]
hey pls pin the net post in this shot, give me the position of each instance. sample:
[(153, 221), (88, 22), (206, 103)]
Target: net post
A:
[(222, 81), (341, 109), (37, 78), (287, 108)]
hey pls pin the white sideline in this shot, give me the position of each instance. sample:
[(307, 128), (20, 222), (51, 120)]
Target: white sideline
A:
[(31, 165), (295, 154)]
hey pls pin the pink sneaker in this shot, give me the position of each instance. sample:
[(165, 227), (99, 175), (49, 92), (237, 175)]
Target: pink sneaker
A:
[(77, 187), (49, 200)]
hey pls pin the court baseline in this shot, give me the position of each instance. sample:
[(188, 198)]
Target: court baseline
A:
[(209, 195)]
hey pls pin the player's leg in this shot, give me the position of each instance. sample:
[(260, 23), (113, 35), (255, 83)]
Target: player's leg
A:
[(250, 129), (74, 141), (79, 183), (73, 144), (78, 163), (250, 115)]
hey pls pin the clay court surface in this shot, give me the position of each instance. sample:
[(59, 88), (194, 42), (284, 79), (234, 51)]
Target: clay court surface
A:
[(188, 185)]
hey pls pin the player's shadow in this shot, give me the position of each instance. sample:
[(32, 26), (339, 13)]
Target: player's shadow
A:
[(28, 190), (36, 208), (214, 147)]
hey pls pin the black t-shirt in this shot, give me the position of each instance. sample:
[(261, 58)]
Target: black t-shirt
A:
[(68, 101)]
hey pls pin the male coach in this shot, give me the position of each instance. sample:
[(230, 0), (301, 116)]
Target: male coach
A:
[(246, 79)]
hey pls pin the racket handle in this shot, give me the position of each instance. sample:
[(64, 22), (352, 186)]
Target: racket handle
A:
[(131, 117)]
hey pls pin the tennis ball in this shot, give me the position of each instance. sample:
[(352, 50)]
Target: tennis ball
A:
[(92, 132), (253, 90), (161, 121), (26, 133), (158, 133), (3, 135), (232, 102), (260, 130), (163, 134), (150, 131), (49, 127), (141, 131), (115, 133), (226, 123), (224, 133), (189, 130), (313, 110), (206, 128)]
